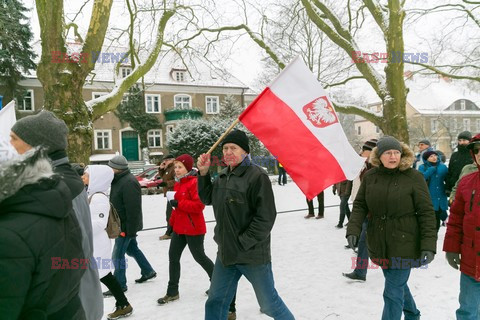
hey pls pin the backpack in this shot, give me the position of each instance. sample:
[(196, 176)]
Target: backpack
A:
[(114, 225)]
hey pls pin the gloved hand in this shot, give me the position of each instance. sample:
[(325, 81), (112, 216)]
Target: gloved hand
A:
[(426, 257), (352, 241), (453, 259), (174, 203), (162, 184)]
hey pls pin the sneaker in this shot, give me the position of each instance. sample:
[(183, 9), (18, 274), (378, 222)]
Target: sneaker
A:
[(108, 293), (120, 312), (143, 278), (232, 315), (319, 217), (165, 237), (354, 276), (167, 299), (339, 226), (308, 216)]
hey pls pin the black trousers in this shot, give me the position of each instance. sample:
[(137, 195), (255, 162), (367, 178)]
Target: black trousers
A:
[(168, 213), (177, 245), (320, 198), (112, 284)]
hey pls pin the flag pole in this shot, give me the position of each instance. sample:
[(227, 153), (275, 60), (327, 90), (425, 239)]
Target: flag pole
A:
[(223, 136)]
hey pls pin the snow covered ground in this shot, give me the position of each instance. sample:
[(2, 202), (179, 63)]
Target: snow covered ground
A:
[(308, 259)]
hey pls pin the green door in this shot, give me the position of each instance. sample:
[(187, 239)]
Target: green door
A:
[(130, 145)]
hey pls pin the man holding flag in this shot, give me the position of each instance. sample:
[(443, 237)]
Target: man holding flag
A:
[(244, 208)]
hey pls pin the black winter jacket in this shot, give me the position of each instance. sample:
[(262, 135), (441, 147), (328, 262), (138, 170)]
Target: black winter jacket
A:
[(126, 197), (458, 160), (37, 229), (244, 209)]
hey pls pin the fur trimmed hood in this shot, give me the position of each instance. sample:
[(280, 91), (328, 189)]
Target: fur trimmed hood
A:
[(23, 170), (406, 161)]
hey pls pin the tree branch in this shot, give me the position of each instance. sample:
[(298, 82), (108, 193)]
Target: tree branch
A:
[(343, 82), (376, 11), (446, 74)]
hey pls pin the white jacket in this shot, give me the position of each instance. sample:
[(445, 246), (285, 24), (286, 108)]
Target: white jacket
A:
[(101, 177)]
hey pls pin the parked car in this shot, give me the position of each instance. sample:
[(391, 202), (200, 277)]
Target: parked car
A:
[(149, 178)]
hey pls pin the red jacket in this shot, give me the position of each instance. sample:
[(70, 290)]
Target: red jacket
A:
[(188, 218), (463, 228)]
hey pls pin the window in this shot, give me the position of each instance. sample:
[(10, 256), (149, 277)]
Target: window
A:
[(96, 95), (27, 102), (179, 76), (466, 124), (455, 124), (154, 138), (462, 104), (183, 102), (125, 71), (152, 102), (103, 139), (434, 125), (211, 104), (359, 130)]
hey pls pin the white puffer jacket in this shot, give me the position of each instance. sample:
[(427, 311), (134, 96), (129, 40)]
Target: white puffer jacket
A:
[(100, 179)]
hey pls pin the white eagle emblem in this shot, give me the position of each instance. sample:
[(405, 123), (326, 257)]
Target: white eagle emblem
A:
[(320, 112)]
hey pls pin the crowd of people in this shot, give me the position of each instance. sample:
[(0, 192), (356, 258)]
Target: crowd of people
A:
[(400, 200)]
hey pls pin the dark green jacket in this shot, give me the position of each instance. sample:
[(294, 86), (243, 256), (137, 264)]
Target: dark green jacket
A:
[(401, 220), (244, 209), (38, 227)]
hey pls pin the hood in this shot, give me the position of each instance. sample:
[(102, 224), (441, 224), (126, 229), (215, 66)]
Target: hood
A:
[(23, 170), (28, 185), (406, 161), (101, 177)]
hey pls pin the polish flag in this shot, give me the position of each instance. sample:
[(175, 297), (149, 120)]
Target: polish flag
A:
[(296, 122)]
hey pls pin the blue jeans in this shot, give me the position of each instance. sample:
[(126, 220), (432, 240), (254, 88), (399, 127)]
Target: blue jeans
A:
[(397, 296), (129, 246), (224, 285), (362, 252), (469, 298), (344, 209)]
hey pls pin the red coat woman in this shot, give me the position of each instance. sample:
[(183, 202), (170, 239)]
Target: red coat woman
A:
[(188, 225)]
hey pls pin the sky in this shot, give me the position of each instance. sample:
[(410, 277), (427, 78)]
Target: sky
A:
[(308, 259)]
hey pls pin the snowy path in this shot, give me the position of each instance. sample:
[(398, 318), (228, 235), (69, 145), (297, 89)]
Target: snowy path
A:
[(308, 258)]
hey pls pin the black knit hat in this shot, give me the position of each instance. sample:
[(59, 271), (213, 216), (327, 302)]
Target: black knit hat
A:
[(239, 138), (388, 143), (42, 129), (466, 135), (369, 145), (427, 154)]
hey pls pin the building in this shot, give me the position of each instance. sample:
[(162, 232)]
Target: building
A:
[(438, 109), (173, 92)]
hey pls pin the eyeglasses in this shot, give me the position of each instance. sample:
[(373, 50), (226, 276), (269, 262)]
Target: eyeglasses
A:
[(392, 153), (475, 150)]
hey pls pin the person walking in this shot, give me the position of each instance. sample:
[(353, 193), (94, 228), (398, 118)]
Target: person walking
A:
[(167, 173), (361, 263), (460, 245), (46, 130), (244, 208), (344, 190), (188, 224), (97, 179), (321, 207), (126, 197), (401, 231), (435, 172), (423, 146), (282, 175), (38, 235), (458, 160)]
